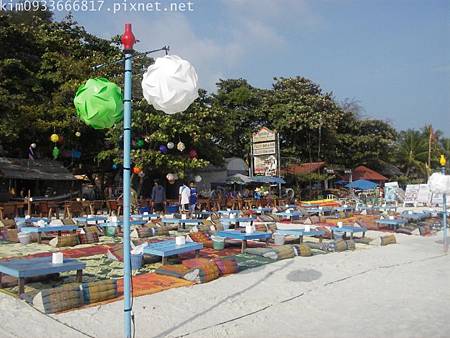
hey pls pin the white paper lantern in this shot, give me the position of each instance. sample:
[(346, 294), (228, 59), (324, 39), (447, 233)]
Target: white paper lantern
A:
[(170, 145), (198, 179), (33, 145), (170, 177), (439, 183), (181, 146), (77, 134), (170, 84)]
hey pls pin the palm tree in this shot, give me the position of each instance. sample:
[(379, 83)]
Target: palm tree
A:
[(412, 152), (445, 144)]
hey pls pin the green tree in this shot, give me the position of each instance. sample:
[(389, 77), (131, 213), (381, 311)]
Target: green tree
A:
[(306, 118), (364, 141)]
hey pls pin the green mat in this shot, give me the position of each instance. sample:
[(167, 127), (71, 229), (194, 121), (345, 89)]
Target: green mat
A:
[(246, 261)]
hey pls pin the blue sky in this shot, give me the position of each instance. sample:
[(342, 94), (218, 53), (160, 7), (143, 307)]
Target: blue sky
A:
[(391, 55)]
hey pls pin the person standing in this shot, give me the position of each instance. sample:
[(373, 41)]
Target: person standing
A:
[(193, 197), (184, 195), (158, 197)]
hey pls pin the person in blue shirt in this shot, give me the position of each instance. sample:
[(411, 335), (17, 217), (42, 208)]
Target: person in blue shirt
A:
[(193, 198)]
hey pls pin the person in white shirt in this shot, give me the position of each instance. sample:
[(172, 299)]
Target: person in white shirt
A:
[(184, 196)]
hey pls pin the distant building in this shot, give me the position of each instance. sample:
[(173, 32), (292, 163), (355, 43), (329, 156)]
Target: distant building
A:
[(214, 175), (43, 178)]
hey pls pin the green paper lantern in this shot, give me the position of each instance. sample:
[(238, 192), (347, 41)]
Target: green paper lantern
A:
[(56, 152), (140, 143), (99, 103)]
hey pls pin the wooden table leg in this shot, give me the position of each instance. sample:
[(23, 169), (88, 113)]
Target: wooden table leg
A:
[(320, 239), (21, 281), (79, 278), (301, 239), (164, 260), (39, 238), (197, 253), (244, 245), (1, 282)]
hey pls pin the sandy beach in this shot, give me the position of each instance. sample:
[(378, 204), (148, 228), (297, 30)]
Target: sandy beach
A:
[(399, 290)]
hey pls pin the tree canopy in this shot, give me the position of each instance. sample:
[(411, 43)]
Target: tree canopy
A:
[(40, 75)]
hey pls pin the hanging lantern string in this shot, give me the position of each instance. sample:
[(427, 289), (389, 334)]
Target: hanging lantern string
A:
[(165, 48)]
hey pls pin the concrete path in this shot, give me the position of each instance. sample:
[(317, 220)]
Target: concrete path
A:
[(400, 290)]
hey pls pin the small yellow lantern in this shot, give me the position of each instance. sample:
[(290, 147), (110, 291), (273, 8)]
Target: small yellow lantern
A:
[(54, 138), (442, 160)]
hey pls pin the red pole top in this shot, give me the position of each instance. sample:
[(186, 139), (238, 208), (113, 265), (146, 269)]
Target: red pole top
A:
[(128, 39)]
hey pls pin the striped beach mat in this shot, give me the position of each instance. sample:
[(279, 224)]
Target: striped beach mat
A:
[(59, 299)]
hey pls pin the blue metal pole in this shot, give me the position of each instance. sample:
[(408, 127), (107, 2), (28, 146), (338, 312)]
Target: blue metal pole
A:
[(444, 216), (128, 41), (126, 194)]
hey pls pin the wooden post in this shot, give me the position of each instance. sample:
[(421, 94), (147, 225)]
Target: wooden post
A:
[(29, 202)]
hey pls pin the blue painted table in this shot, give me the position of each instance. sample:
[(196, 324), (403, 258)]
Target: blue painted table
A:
[(165, 249), (351, 229), (228, 212), (202, 214), (293, 214), (415, 216), (86, 220), (302, 232), (244, 237), (262, 211), (183, 222), (49, 228), (30, 220), (142, 217), (23, 268), (391, 223)]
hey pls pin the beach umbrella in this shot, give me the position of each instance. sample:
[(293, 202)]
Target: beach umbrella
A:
[(238, 179), (170, 84), (99, 103), (362, 185)]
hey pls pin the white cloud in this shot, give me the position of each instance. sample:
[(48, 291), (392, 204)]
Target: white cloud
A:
[(245, 29)]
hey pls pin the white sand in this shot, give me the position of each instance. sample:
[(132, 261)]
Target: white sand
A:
[(394, 291)]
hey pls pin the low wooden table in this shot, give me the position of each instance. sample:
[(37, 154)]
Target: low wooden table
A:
[(182, 222), (302, 232), (244, 237), (165, 249), (350, 229), (23, 268)]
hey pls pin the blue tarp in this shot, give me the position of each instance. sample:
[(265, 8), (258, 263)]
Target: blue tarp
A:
[(242, 179), (362, 185)]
